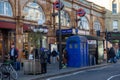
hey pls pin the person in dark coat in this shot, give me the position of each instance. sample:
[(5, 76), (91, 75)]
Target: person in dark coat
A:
[(112, 54), (35, 52), (43, 60), (54, 54), (13, 53)]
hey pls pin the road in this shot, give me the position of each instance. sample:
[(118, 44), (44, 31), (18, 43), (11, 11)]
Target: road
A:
[(111, 72)]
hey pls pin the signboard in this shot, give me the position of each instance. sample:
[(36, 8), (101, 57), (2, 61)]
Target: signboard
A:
[(81, 12), (56, 5), (81, 32), (91, 41), (64, 31)]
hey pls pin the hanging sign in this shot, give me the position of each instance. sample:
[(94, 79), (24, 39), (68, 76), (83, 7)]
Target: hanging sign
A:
[(56, 5), (81, 12)]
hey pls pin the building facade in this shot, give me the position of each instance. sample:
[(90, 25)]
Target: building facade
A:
[(112, 21), (17, 17)]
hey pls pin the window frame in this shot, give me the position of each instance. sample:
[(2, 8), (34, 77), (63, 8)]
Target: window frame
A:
[(65, 18), (115, 25), (7, 9), (97, 26), (83, 22), (35, 10), (114, 7)]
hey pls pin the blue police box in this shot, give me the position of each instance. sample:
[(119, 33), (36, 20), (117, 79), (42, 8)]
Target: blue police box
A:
[(77, 48)]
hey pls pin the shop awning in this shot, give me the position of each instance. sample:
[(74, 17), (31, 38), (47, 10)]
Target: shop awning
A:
[(7, 25), (12, 25), (26, 27)]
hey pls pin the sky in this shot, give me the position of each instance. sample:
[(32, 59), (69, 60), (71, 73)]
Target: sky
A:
[(103, 3)]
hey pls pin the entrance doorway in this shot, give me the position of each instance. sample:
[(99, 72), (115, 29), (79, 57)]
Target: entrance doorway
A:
[(7, 37)]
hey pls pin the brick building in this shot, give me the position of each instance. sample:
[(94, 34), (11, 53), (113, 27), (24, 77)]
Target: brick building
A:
[(17, 17)]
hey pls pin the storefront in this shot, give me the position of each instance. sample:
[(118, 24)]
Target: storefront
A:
[(7, 37), (16, 18)]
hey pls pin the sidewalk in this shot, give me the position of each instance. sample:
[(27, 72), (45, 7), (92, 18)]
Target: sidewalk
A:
[(53, 70)]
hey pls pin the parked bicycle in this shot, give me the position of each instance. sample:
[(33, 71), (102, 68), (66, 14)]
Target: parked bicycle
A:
[(7, 71)]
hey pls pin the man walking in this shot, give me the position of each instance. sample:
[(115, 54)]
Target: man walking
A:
[(13, 53), (112, 54)]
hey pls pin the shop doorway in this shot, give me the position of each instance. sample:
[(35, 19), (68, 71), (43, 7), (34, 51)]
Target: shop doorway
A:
[(7, 37)]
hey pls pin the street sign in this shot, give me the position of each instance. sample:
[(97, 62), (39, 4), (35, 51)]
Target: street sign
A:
[(56, 5), (81, 12)]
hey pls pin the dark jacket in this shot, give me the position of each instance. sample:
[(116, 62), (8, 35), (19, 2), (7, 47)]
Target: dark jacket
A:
[(15, 53), (111, 52), (36, 53), (43, 57)]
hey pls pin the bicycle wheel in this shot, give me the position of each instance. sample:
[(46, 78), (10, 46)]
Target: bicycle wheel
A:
[(0, 75), (13, 73)]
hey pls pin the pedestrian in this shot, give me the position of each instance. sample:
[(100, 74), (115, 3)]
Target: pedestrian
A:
[(118, 53), (43, 60), (65, 58), (112, 54), (35, 52), (54, 55), (47, 51), (13, 54)]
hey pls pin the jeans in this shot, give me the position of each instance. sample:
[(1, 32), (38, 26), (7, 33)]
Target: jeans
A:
[(114, 60)]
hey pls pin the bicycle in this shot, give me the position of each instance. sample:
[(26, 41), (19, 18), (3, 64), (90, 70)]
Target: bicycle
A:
[(7, 71)]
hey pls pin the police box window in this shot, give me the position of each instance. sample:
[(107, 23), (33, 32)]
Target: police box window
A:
[(70, 45), (76, 45), (81, 46)]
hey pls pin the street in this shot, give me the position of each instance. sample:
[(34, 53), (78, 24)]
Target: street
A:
[(110, 72)]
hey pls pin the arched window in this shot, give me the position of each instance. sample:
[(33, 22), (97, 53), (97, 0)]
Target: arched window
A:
[(65, 18), (5, 8), (83, 23), (97, 26), (32, 11)]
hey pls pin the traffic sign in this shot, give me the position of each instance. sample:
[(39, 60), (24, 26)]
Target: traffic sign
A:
[(81, 12), (56, 5)]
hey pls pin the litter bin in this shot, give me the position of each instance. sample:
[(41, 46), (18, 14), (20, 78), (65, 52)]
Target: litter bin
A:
[(32, 66)]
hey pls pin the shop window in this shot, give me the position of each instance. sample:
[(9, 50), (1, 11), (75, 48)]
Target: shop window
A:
[(32, 11), (25, 37), (83, 23), (5, 8)]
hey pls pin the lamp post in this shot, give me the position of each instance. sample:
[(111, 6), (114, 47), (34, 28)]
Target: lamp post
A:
[(41, 30), (60, 45), (58, 5)]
